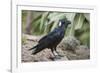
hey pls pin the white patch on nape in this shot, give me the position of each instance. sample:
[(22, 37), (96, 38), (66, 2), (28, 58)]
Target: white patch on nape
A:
[(59, 23)]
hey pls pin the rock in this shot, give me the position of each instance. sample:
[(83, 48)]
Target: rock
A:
[(81, 53), (71, 43)]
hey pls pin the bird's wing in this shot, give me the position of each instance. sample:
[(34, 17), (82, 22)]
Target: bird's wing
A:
[(49, 36), (42, 39)]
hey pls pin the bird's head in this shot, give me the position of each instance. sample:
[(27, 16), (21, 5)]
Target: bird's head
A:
[(64, 22)]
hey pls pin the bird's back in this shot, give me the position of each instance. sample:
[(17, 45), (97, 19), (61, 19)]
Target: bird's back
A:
[(53, 38)]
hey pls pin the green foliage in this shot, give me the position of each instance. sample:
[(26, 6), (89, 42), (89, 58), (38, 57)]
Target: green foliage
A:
[(44, 22), (24, 13), (24, 40)]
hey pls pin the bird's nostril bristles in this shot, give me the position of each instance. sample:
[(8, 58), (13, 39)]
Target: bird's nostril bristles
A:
[(69, 22)]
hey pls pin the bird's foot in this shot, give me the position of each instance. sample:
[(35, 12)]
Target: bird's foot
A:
[(57, 57), (60, 55)]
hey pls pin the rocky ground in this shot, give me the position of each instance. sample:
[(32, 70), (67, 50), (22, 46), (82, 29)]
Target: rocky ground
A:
[(69, 48)]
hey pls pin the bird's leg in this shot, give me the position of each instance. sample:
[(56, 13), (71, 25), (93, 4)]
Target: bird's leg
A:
[(58, 52), (55, 54)]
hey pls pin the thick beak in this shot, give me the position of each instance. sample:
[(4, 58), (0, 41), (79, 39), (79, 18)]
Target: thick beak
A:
[(68, 22)]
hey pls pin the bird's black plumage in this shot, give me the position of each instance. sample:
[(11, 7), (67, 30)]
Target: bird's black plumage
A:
[(52, 39)]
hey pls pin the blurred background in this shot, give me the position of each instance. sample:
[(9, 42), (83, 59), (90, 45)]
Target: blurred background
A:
[(36, 24)]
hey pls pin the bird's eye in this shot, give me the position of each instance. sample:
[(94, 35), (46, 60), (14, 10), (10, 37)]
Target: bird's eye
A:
[(59, 23)]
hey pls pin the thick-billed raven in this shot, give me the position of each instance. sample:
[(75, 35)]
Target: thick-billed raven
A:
[(52, 39)]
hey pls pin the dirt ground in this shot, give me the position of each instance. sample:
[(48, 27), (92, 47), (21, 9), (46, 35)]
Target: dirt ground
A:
[(80, 52)]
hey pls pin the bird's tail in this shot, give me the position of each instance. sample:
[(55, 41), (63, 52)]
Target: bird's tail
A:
[(38, 49), (33, 47)]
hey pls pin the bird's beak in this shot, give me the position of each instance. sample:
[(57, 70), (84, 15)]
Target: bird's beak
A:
[(68, 22)]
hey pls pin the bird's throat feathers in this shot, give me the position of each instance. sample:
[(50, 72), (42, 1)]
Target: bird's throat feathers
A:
[(62, 26)]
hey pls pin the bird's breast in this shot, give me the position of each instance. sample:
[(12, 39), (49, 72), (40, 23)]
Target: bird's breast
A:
[(61, 34)]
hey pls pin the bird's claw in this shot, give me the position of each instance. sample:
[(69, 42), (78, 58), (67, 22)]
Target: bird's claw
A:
[(61, 55), (57, 57)]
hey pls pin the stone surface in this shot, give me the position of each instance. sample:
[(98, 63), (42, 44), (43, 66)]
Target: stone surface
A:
[(81, 52)]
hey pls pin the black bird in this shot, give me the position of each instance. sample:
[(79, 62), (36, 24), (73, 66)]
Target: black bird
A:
[(52, 39)]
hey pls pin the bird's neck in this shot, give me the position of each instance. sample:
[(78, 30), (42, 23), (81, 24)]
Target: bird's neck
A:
[(63, 28)]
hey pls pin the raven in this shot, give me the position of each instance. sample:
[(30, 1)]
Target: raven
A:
[(53, 38)]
